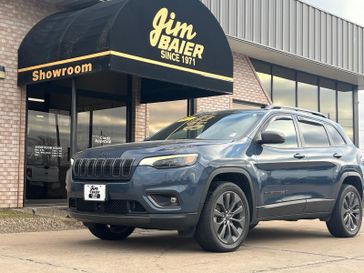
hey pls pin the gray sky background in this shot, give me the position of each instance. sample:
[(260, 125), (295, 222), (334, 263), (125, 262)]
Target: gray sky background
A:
[(352, 10)]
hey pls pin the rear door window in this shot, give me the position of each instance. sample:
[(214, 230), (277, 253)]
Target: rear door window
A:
[(314, 134)]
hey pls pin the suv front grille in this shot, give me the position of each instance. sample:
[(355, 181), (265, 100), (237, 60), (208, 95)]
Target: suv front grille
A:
[(102, 168)]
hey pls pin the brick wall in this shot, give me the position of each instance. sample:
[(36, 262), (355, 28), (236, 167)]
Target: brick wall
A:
[(247, 87), (16, 18)]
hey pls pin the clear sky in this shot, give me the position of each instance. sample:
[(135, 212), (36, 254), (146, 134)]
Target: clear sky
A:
[(352, 10)]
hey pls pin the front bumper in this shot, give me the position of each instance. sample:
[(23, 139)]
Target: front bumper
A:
[(188, 184), (178, 221)]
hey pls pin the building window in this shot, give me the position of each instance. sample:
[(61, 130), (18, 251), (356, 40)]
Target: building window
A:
[(162, 114), (328, 98), (307, 91), (264, 72), (345, 108), (284, 87), (288, 87)]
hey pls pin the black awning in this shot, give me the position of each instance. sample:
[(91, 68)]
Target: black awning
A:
[(178, 42)]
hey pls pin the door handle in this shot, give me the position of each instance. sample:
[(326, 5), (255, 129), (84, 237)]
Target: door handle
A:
[(299, 156), (337, 155)]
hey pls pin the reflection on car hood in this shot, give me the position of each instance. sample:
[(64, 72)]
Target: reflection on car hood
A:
[(149, 148)]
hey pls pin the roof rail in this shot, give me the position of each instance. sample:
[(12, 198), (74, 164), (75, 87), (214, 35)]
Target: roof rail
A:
[(270, 107)]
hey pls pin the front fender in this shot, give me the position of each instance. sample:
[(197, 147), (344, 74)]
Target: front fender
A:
[(237, 170)]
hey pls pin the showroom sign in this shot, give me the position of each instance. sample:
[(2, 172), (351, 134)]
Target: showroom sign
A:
[(178, 42)]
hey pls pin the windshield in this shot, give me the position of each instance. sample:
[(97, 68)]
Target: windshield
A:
[(224, 125)]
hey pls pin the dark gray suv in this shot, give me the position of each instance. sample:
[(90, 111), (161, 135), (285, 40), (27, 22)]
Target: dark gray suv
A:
[(216, 175)]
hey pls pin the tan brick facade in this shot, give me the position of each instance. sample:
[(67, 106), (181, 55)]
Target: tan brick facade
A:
[(17, 17), (247, 88)]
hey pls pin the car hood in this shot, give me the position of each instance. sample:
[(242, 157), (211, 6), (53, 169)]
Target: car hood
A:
[(153, 148)]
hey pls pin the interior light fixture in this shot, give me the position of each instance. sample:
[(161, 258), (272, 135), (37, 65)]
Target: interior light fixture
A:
[(36, 100)]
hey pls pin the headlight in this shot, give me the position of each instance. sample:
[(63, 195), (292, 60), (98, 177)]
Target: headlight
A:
[(170, 161), (72, 161)]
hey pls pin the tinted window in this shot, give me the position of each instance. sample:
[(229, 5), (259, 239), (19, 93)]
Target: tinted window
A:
[(223, 125), (314, 135), (287, 128), (328, 98), (307, 91), (162, 114), (284, 87), (345, 108), (335, 136)]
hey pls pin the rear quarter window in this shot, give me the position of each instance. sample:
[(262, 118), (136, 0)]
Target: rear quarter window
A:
[(335, 136)]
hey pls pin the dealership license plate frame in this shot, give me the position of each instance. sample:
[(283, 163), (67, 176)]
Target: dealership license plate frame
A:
[(98, 194)]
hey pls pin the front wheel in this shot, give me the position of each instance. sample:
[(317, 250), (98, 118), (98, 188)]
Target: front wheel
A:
[(109, 232), (346, 217), (224, 222)]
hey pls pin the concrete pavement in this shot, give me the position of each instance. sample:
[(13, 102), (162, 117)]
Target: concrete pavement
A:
[(304, 246)]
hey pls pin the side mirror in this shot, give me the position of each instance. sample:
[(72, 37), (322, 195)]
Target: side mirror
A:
[(271, 137)]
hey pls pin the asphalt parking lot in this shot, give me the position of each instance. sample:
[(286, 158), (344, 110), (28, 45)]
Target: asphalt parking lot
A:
[(303, 246)]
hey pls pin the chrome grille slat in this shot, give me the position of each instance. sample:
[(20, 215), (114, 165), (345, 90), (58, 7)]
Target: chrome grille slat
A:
[(102, 168)]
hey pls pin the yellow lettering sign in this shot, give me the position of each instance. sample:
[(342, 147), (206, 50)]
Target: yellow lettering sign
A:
[(175, 38), (40, 75)]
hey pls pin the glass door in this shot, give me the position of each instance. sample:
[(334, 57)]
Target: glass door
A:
[(47, 141), (101, 121)]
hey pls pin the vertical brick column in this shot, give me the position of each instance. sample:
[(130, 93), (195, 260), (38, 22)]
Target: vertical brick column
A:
[(140, 114), (17, 17)]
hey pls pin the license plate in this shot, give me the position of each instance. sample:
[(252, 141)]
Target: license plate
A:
[(95, 192)]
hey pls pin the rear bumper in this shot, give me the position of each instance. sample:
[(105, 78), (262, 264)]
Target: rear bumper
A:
[(175, 221)]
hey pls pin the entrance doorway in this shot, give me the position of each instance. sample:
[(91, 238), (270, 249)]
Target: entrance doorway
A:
[(101, 120)]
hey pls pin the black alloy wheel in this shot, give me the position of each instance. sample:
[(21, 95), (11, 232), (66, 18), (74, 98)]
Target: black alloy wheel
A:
[(224, 221), (346, 217)]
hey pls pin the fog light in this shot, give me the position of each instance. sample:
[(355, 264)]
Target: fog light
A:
[(164, 199), (173, 200)]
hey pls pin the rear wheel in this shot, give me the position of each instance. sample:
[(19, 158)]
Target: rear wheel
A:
[(346, 217), (109, 232), (224, 222)]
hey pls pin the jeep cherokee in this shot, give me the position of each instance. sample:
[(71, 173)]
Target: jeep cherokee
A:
[(216, 175)]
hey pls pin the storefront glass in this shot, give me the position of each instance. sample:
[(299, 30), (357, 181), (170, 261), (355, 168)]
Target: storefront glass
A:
[(101, 121), (345, 108), (284, 87), (162, 114), (307, 91), (330, 97)]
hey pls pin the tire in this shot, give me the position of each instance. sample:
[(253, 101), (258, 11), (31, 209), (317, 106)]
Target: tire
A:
[(217, 230), (253, 226), (346, 217), (109, 232)]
